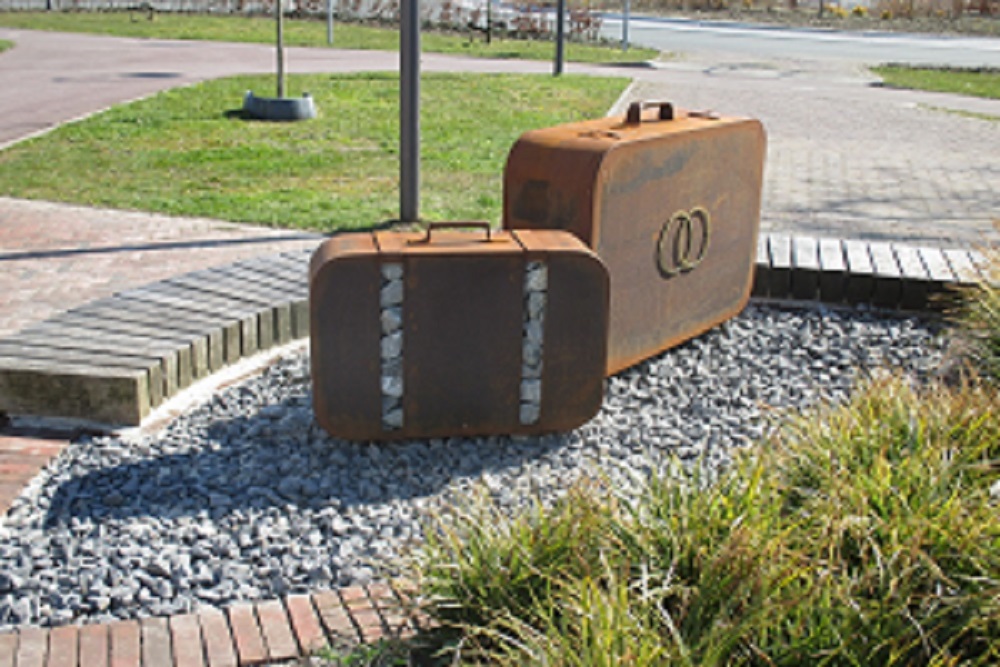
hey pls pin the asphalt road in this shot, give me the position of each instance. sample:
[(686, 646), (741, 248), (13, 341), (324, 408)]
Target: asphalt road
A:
[(773, 42)]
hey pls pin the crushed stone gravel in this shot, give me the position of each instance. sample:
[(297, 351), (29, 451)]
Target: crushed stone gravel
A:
[(244, 497)]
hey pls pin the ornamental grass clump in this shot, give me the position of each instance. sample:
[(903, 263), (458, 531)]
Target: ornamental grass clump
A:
[(979, 322), (861, 534), (888, 499), (482, 570)]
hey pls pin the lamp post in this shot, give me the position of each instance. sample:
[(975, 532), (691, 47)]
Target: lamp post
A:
[(280, 43)]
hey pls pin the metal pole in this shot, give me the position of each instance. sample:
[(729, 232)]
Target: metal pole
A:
[(409, 112), (329, 22), (560, 37), (625, 17), (280, 19), (489, 21)]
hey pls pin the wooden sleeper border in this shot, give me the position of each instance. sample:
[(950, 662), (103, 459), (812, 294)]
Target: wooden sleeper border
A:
[(114, 360)]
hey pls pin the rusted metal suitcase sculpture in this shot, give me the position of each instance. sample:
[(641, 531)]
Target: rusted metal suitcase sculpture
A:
[(669, 200), (454, 333)]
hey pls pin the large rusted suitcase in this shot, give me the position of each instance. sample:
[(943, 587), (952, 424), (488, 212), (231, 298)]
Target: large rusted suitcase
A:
[(669, 200), (453, 333)]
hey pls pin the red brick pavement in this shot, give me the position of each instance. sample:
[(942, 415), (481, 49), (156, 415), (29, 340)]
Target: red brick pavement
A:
[(54, 257), (23, 453), (274, 631)]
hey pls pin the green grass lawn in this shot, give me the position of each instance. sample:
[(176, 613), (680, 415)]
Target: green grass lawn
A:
[(4, 45), (975, 82), (306, 32), (186, 151)]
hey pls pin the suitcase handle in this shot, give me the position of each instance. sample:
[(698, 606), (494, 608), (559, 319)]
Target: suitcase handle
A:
[(484, 226), (634, 115)]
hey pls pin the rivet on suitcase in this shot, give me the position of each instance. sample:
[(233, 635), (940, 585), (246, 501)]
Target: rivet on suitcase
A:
[(453, 333), (669, 200)]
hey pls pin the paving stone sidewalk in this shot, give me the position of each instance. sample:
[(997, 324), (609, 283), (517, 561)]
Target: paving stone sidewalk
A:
[(851, 160)]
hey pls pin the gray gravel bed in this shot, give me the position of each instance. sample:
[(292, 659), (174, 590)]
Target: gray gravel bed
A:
[(245, 497)]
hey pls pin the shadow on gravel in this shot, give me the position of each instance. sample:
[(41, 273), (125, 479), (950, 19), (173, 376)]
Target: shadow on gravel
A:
[(276, 457)]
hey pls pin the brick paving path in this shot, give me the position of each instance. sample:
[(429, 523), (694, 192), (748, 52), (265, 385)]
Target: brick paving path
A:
[(260, 633), (23, 453), (849, 160), (54, 256)]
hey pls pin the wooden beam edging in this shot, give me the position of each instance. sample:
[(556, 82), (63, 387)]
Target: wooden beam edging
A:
[(114, 360), (891, 276)]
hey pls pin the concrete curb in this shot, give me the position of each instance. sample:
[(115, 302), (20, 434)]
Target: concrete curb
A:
[(114, 360)]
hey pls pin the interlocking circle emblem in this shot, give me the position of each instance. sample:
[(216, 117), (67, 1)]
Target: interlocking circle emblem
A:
[(683, 242)]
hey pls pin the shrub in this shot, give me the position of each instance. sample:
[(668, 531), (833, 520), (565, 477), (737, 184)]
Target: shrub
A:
[(860, 11)]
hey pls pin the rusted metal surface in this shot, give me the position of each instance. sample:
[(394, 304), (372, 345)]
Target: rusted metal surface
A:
[(669, 201), (345, 333), (444, 353)]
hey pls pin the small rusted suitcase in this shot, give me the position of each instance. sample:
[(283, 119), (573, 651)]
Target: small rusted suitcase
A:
[(453, 333), (669, 200)]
